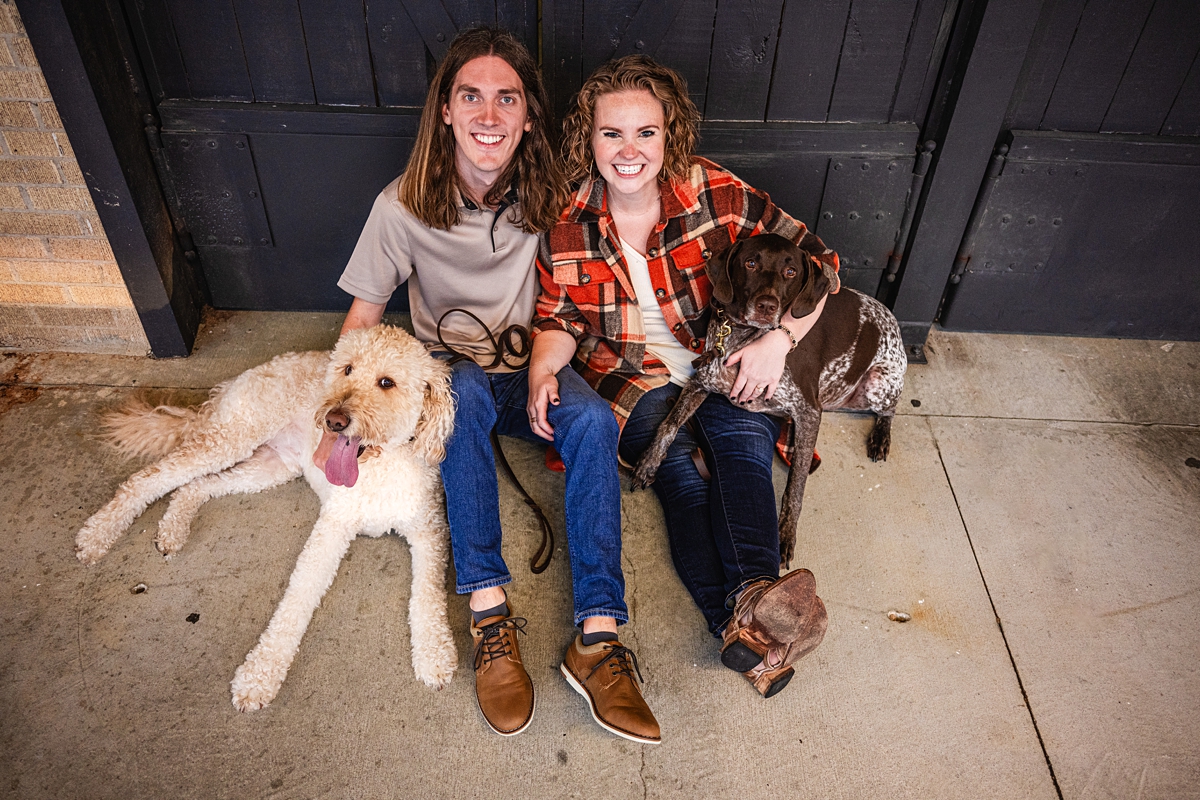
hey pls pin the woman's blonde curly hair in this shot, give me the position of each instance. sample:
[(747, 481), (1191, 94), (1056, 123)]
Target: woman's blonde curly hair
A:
[(623, 74)]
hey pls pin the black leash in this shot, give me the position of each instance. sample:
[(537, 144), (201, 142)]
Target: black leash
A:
[(521, 350)]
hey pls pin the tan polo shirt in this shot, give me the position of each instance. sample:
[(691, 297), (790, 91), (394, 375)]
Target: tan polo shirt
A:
[(484, 265)]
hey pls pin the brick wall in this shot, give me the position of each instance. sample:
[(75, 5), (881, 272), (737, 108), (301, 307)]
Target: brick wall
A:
[(60, 288)]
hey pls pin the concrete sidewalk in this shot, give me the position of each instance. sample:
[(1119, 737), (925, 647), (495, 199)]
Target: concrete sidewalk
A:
[(1039, 518)]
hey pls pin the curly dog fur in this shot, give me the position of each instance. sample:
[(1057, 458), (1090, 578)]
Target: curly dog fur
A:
[(390, 405)]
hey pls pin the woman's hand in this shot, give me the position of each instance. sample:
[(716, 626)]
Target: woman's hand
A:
[(543, 393), (552, 350), (761, 363), (760, 366)]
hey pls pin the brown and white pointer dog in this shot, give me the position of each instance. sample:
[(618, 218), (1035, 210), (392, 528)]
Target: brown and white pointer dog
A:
[(852, 358)]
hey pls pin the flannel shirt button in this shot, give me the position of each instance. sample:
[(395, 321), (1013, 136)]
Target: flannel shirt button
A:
[(695, 343), (660, 292), (586, 279), (678, 325), (706, 254), (653, 253)]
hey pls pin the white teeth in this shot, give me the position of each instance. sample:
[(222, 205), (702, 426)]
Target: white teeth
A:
[(627, 169), (484, 139)]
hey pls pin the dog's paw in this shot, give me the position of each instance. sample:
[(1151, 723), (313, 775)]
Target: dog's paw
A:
[(435, 666), (644, 475), (438, 677), (167, 543), (87, 549), (251, 689)]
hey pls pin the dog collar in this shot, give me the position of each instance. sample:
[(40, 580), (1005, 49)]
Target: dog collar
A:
[(723, 330)]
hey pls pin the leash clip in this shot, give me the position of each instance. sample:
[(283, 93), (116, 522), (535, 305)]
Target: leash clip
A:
[(723, 331)]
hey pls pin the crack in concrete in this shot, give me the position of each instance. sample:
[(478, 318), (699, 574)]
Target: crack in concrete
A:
[(999, 624)]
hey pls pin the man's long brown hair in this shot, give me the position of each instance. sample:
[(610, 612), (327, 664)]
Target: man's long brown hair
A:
[(430, 187), (625, 74)]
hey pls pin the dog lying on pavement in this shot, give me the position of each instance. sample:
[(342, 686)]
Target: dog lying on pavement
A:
[(853, 357), (390, 405)]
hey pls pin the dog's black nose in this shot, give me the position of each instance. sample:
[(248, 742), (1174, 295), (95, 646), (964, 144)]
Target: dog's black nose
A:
[(766, 305), (336, 421)]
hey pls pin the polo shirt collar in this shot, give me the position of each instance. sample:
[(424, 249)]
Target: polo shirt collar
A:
[(510, 198)]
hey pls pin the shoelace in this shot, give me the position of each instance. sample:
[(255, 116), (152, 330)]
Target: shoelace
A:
[(493, 643), (621, 660)]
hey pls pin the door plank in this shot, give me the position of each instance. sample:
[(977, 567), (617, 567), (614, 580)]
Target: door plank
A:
[(150, 22), (810, 41), (398, 54), (276, 57), (1107, 34), (919, 56), (685, 46), (743, 55), (872, 53), (1184, 119), (211, 48), (339, 52), (1055, 29), (1157, 70)]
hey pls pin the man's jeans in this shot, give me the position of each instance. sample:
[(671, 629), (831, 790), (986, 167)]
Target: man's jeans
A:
[(724, 533), (585, 435)]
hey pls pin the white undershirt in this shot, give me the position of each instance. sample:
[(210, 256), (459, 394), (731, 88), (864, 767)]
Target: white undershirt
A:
[(660, 342)]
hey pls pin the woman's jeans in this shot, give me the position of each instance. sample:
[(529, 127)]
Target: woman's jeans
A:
[(724, 533), (585, 435)]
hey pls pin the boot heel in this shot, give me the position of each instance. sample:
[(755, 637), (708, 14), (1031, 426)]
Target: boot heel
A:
[(772, 682), (740, 658)]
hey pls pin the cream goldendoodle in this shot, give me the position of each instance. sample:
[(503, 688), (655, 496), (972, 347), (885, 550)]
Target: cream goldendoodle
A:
[(389, 404)]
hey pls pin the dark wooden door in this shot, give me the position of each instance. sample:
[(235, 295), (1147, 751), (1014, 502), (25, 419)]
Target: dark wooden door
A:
[(278, 122), (1087, 222), (818, 102)]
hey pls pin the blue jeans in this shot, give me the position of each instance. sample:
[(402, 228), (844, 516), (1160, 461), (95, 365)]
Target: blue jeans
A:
[(724, 533), (585, 435)]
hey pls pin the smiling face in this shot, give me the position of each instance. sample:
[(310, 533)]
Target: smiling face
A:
[(627, 140), (488, 114)]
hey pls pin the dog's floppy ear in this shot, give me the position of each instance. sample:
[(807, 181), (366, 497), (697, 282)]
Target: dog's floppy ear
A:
[(821, 280), (717, 268), (437, 417)]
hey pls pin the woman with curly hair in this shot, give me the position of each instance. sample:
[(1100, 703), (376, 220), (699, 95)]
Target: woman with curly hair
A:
[(624, 294)]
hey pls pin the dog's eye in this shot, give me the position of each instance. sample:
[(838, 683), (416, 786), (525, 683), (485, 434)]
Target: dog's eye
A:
[(751, 264), (386, 383), (348, 369), (790, 272)]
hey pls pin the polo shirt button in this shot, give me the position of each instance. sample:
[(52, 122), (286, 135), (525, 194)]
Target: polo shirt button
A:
[(660, 292), (586, 279), (653, 252), (707, 254)]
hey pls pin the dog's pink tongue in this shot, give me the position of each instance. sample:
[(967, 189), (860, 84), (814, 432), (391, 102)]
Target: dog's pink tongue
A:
[(342, 467)]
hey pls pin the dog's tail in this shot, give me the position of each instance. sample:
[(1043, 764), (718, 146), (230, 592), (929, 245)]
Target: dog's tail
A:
[(140, 430)]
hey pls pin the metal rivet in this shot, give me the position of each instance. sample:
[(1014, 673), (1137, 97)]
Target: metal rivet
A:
[(441, 37), (226, 193), (253, 193), (1031, 221), (237, 240), (212, 239), (837, 166), (828, 215), (1037, 266), (878, 215), (640, 45), (1005, 219), (1050, 171), (184, 143), (240, 145), (853, 215), (1011, 267), (211, 143), (865, 166), (264, 240), (866, 262), (892, 166)]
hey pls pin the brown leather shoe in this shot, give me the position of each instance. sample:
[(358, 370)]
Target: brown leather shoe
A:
[(603, 674), (502, 687), (774, 625)]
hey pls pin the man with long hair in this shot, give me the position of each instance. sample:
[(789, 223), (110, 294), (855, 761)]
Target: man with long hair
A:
[(460, 225)]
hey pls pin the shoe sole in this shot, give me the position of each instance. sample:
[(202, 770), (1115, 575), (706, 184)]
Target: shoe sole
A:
[(577, 686), (777, 686), (532, 708), (789, 613)]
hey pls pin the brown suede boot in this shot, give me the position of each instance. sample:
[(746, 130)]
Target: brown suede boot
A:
[(502, 687), (774, 625), (603, 674)]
